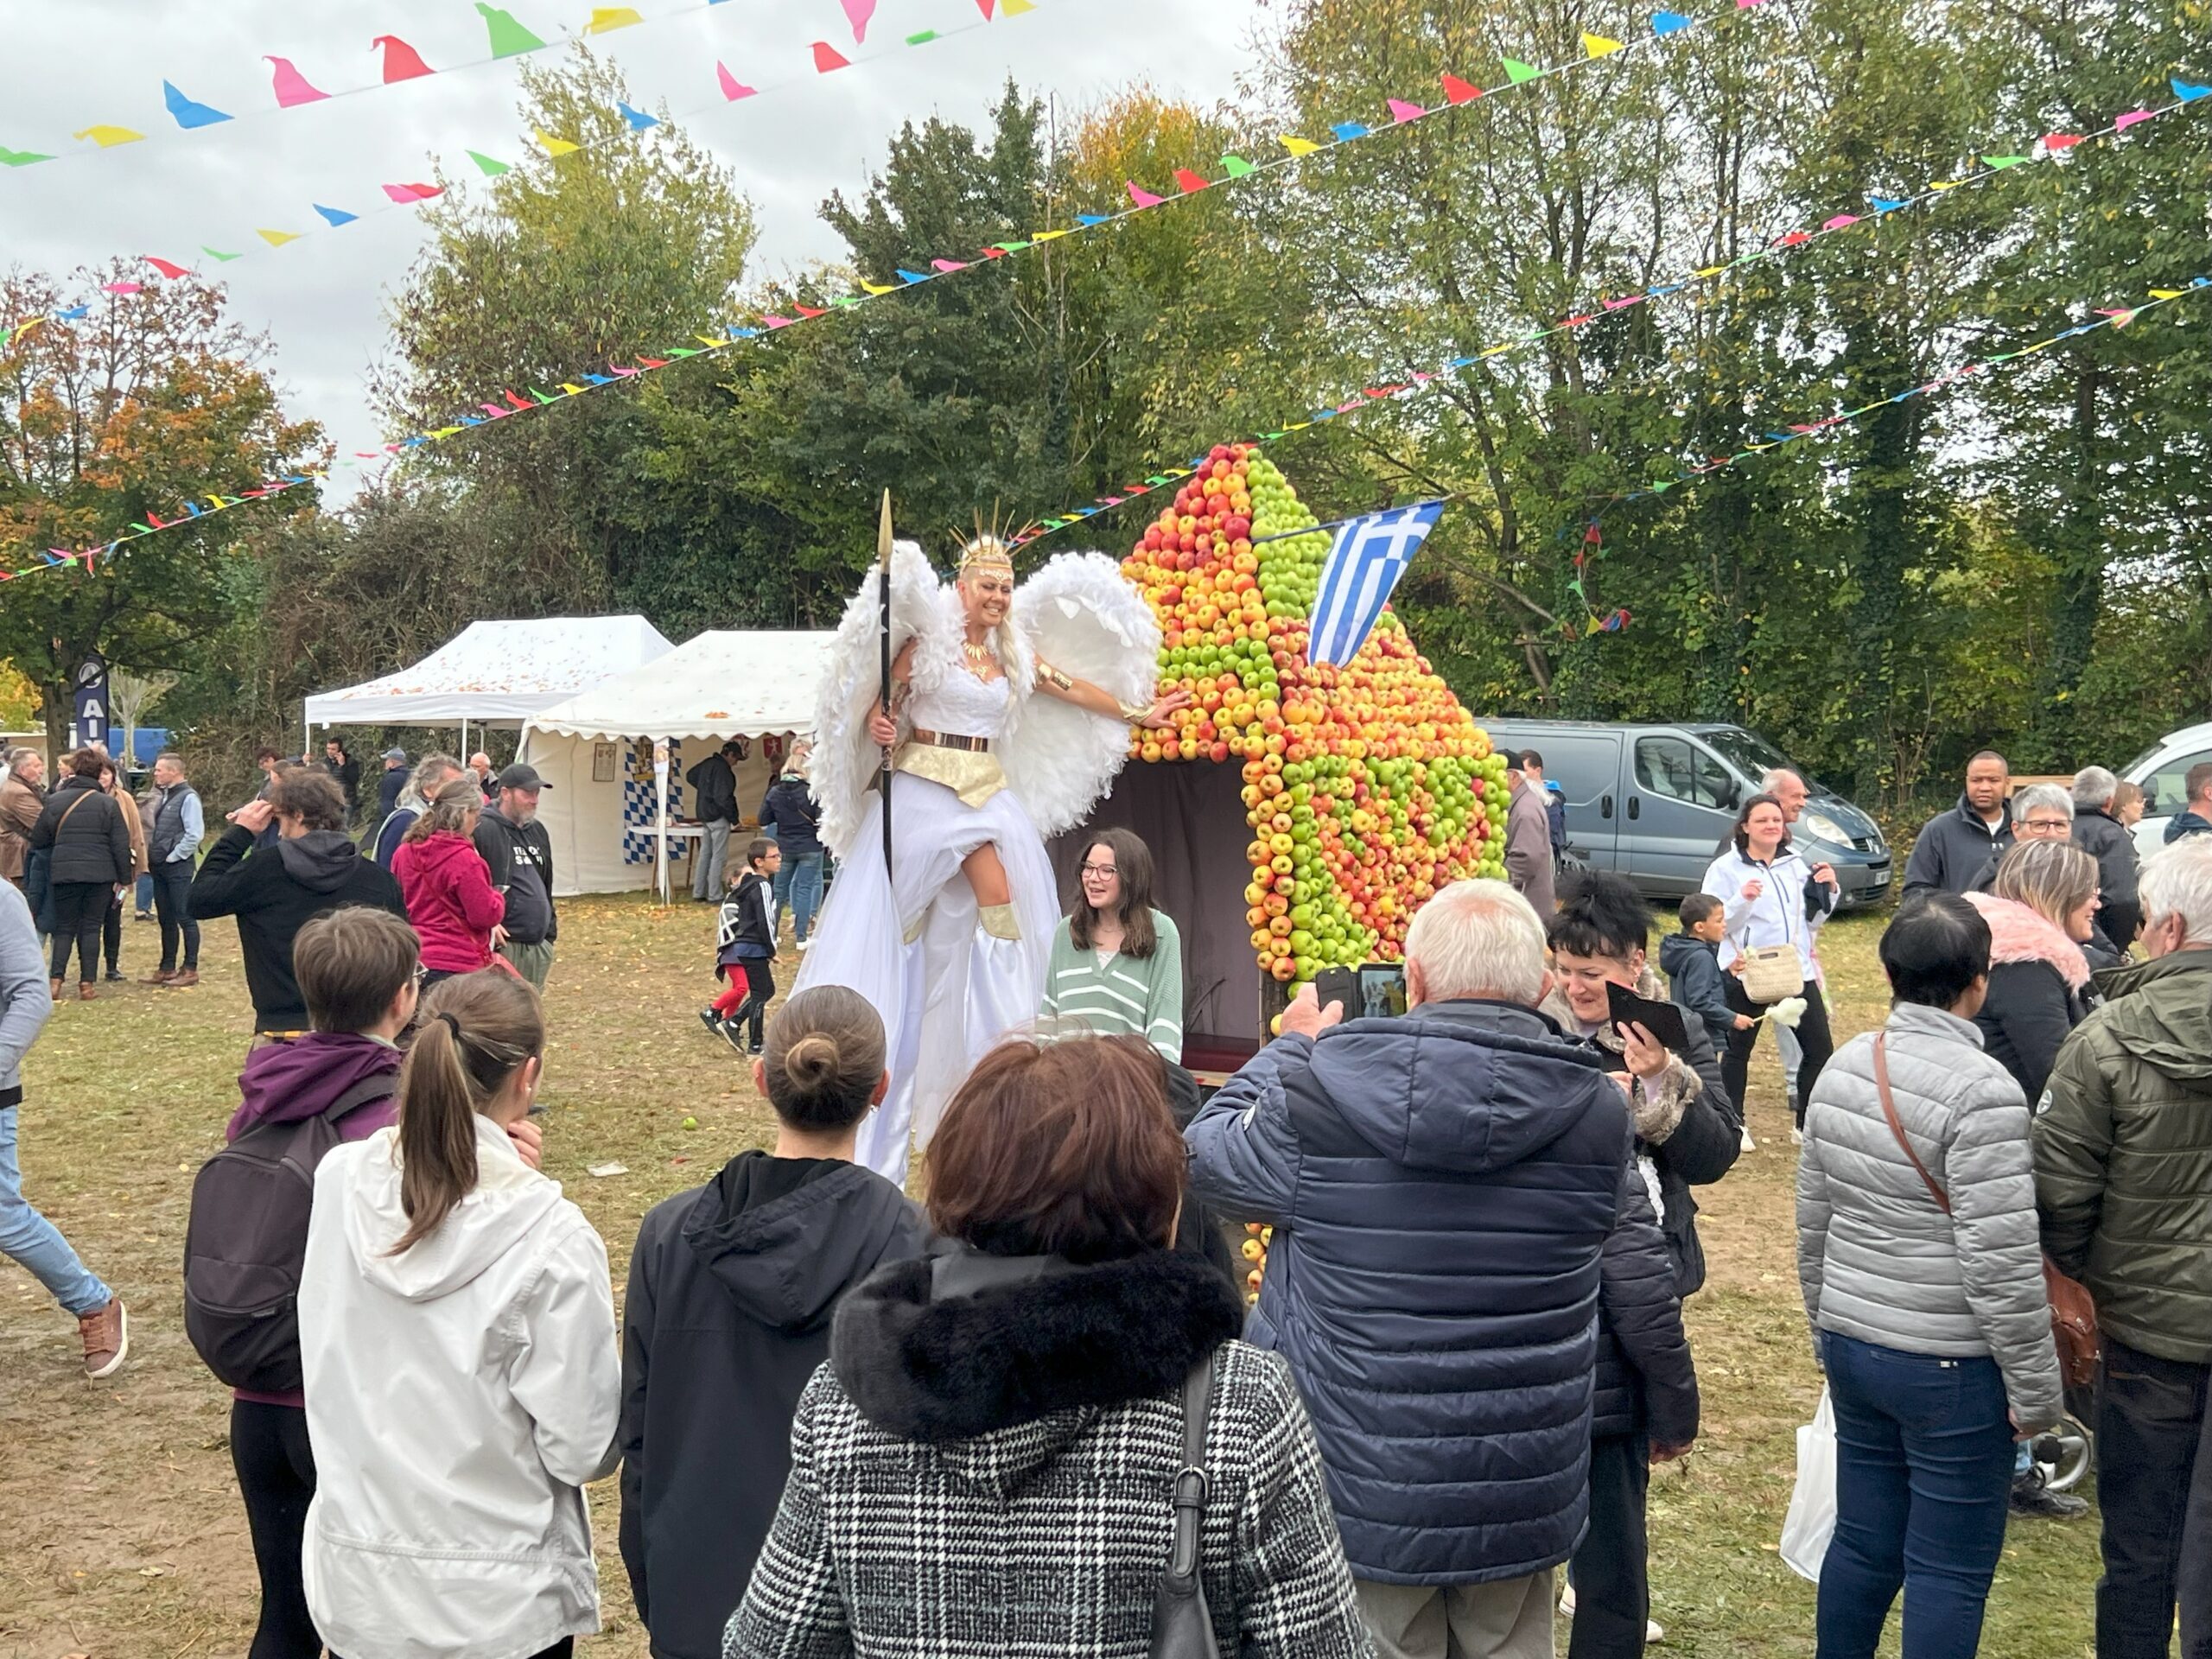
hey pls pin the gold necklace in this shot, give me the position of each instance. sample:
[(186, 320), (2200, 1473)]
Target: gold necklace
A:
[(982, 656)]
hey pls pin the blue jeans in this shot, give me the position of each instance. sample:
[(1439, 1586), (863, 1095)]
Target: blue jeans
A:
[(1923, 1473), (799, 882), (33, 1240), (143, 898)]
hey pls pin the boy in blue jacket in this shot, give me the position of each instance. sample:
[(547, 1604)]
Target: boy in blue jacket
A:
[(1691, 960)]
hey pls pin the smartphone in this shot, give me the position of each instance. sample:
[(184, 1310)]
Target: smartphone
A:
[(1662, 1020)]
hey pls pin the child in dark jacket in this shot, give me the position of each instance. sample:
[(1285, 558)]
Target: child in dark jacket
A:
[(356, 971), (1691, 960), (745, 949), (732, 1287)]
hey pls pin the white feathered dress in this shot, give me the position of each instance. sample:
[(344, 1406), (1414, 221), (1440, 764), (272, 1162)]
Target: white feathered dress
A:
[(908, 938)]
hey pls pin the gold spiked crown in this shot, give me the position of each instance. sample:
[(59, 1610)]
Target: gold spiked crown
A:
[(986, 550)]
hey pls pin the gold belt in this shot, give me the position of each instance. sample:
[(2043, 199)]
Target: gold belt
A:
[(952, 740)]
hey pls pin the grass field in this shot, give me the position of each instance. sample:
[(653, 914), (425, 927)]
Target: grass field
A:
[(124, 1535)]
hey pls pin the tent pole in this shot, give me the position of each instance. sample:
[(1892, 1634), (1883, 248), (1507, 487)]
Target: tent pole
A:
[(660, 780), (464, 740)]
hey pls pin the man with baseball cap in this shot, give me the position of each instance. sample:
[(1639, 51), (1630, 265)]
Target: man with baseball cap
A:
[(519, 854), (393, 783)]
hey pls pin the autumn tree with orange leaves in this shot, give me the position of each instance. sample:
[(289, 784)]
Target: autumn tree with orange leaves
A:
[(147, 401)]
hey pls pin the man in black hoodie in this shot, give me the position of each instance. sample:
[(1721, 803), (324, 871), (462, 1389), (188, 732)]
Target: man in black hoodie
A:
[(519, 853), (731, 1286), (312, 867)]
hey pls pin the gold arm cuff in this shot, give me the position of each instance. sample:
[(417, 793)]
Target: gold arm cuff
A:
[(1134, 712), (1050, 675)]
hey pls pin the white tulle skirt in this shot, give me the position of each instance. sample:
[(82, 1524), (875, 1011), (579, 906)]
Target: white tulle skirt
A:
[(952, 994)]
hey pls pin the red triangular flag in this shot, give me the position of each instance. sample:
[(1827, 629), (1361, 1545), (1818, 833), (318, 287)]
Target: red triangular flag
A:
[(1457, 90), (655, 362), (803, 310), (519, 402), (984, 6), (400, 61), (828, 57), (168, 267), (2061, 140), (1186, 181)]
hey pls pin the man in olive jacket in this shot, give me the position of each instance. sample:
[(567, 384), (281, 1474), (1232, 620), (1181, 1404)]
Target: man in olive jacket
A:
[(2123, 1144)]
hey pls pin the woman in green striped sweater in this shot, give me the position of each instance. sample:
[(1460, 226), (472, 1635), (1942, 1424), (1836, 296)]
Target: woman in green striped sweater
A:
[(1117, 963)]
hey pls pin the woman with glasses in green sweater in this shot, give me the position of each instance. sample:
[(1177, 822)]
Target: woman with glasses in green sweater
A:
[(1116, 966)]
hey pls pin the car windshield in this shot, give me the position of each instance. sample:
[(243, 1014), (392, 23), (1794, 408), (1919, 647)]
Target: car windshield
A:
[(1752, 756)]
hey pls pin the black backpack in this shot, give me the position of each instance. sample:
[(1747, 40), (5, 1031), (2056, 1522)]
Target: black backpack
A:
[(246, 1240)]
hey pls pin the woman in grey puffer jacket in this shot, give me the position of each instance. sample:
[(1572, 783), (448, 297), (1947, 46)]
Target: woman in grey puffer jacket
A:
[(1925, 1292)]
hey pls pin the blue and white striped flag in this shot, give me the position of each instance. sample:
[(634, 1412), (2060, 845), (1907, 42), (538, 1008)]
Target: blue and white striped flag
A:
[(1370, 554)]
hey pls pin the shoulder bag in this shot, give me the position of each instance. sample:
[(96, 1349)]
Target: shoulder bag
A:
[(2073, 1310), (1182, 1625)]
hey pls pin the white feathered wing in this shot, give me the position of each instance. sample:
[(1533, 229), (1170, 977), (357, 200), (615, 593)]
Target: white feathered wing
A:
[(846, 758), (1083, 616)]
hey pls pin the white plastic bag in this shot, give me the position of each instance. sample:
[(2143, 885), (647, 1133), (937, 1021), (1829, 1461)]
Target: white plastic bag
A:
[(1811, 1521)]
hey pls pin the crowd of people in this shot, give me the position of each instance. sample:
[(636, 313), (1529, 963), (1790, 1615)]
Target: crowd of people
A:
[(848, 1422)]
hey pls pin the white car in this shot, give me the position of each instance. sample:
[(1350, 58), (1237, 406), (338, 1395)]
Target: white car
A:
[(2159, 775)]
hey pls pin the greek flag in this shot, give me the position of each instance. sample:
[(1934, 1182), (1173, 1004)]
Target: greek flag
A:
[(1370, 554)]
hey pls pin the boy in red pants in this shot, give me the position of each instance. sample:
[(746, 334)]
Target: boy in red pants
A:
[(746, 946)]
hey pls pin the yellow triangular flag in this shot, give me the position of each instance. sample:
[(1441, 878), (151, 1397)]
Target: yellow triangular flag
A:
[(1015, 7), (553, 146), (27, 325), (446, 431), (2168, 293), (277, 238), (573, 390), (875, 287), (1045, 236), (1943, 184), (605, 20), (109, 137), (1710, 270), (1599, 47), (1298, 146)]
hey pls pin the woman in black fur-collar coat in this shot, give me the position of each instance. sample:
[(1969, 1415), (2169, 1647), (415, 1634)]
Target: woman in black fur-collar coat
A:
[(985, 1465)]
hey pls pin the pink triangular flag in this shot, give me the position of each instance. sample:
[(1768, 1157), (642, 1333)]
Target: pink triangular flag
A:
[(406, 193), (1401, 111), (123, 288), (167, 267), (984, 6), (2120, 315), (292, 87), (946, 264), (1839, 221), (772, 322), (828, 57), (857, 12), (1142, 198), (732, 88), (2123, 122)]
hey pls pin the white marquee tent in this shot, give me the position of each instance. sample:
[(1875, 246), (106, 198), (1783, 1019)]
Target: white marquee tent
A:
[(495, 674), (601, 808)]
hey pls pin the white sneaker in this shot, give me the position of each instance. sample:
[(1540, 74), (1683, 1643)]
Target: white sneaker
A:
[(1796, 1137), (1566, 1600), (1750, 1145), (806, 944)]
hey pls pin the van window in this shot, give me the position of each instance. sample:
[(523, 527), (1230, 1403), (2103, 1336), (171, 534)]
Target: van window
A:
[(2167, 790), (1676, 768), (1753, 755)]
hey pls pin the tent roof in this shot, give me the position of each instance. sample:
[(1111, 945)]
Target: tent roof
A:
[(496, 672), (724, 684)]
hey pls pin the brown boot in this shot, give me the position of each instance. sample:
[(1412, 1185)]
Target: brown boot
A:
[(159, 976), (54, 989), (106, 1333), (184, 977), (86, 993)]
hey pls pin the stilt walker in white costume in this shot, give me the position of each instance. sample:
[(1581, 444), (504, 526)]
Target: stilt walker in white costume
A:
[(1010, 714)]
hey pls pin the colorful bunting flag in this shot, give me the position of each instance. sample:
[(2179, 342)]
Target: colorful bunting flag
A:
[(1598, 46), (2121, 123), (400, 60), (1401, 111), (109, 137), (1142, 198), (553, 146), (605, 20), (1236, 166), (291, 86), (217, 253), (828, 57), (638, 119), (1348, 131), (1516, 72), (277, 238), (509, 38), (407, 193), (1188, 182), (1298, 146), (1457, 90), (732, 88), (486, 166), (1016, 7), (1668, 22), (187, 114), (2187, 92), (21, 157), (857, 13)]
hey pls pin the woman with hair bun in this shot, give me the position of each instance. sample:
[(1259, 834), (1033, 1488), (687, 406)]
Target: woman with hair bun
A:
[(731, 1286), (457, 1344)]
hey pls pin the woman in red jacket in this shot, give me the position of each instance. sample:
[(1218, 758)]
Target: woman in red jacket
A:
[(450, 898)]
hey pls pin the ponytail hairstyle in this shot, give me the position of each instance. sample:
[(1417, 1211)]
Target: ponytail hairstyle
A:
[(448, 810), (824, 1057), (476, 1031)]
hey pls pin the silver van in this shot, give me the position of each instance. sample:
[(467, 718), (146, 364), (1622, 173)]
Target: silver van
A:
[(1657, 802)]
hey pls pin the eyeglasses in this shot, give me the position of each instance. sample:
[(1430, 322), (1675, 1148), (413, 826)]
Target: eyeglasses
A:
[(1100, 871), (2043, 827)]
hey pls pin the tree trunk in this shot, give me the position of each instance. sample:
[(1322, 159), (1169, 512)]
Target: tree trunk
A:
[(1881, 487), (59, 697), (2079, 555)]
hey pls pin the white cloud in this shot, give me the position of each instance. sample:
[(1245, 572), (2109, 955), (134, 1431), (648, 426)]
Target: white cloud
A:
[(321, 299)]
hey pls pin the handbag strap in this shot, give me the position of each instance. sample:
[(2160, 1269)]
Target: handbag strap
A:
[(1890, 1111), (1190, 1493)]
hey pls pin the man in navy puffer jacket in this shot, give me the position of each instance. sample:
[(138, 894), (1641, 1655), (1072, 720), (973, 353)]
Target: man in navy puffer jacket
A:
[(1443, 1187)]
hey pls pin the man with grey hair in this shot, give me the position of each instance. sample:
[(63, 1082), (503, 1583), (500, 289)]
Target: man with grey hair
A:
[(2104, 838), (22, 797), (432, 773), (1454, 1200), (2040, 812), (2123, 1149)]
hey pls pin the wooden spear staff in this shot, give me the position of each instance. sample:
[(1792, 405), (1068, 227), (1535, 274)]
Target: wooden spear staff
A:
[(883, 633)]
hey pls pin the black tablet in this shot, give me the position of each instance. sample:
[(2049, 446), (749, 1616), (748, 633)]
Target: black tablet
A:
[(1662, 1020)]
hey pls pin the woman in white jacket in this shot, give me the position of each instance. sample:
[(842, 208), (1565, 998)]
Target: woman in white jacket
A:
[(1769, 895), (462, 1378)]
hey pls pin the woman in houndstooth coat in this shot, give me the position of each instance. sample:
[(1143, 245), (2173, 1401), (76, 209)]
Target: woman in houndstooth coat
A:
[(985, 1464)]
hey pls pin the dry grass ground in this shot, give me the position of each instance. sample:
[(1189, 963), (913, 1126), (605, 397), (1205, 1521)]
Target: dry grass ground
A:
[(124, 1536)]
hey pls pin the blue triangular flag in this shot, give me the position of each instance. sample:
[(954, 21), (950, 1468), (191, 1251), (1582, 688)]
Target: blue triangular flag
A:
[(910, 275), (600, 380), (1347, 130), (1090, 218), (471, 420), (72, 313), (187, 113), (1369, 556), (2188, 93), (1885, 204), (638, 119), (335, 216), (1668, 22)]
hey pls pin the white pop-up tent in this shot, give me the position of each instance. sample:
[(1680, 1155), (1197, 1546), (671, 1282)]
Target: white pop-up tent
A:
[(494, 674), (608, 806)]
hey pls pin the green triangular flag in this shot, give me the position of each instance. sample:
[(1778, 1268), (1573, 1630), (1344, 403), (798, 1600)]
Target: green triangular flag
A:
[(543, 398), (21, 157), (485, 165), (1516, 72), (1009, 247), (1999, 163), (217, 253), (922, 38), (508, 36), (1662, 486), (1236, 166)]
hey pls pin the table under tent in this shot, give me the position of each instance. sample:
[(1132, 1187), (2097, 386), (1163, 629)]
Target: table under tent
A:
[(492, 675), (614, 757)]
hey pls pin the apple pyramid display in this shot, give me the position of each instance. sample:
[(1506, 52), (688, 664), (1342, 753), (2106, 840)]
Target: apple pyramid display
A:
[(1367, 787)]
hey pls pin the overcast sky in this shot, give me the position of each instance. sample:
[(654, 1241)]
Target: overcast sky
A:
[(320, 299)]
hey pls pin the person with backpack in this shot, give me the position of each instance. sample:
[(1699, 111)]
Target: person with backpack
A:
[(744, 951), (458, 1345), (732, 1286), (247, 1237)]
